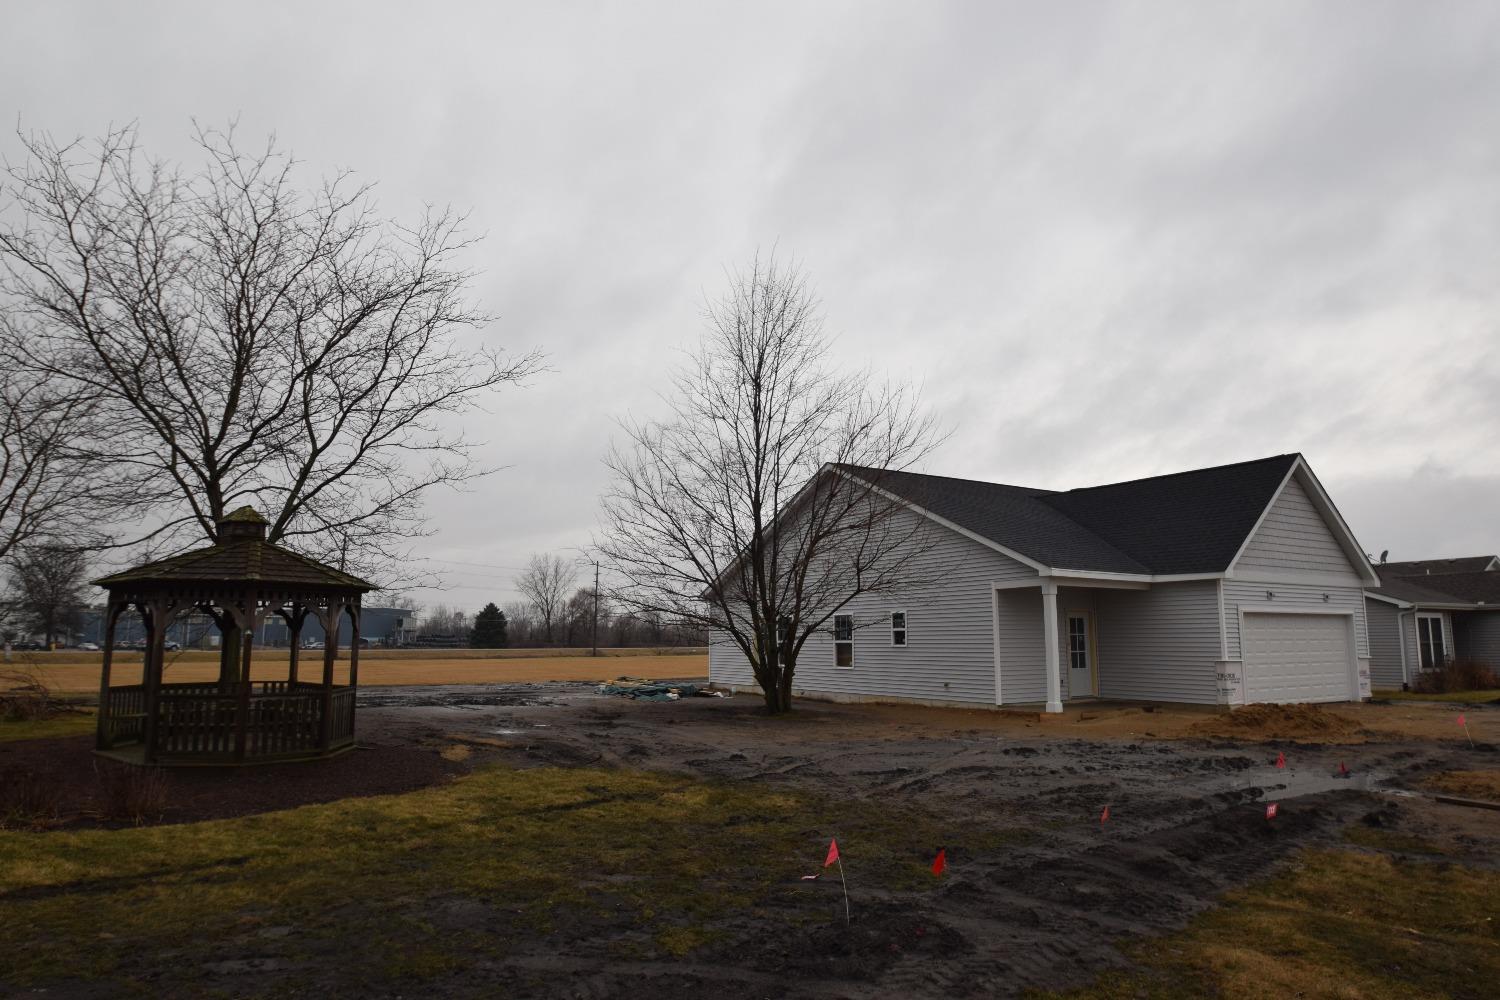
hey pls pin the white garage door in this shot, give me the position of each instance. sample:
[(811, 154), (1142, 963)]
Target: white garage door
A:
[(1295, 658)]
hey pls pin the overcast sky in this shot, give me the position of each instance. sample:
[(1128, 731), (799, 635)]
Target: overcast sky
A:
[(1110, 240)]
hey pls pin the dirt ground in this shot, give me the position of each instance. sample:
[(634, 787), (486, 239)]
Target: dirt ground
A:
[(1186, 818), (1186, 791), (83, 678)]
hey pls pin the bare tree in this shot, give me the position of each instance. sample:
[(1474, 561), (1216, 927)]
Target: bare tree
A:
[(755, 510), (545, 583), (258, 343), (47, 584)]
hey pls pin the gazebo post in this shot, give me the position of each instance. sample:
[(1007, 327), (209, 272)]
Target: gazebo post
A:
[(156, 639), (355, 643), (102, 739), (294, 633), (242, 704), (330, 652)]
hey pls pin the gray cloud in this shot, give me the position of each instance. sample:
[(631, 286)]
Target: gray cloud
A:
[(1109, 239)]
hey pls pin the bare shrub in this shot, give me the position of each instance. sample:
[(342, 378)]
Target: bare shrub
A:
[(29, 800), (24, 698), (1459, 675), (131, 794)]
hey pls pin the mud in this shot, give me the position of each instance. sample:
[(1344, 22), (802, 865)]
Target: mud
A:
[(1187, 823)]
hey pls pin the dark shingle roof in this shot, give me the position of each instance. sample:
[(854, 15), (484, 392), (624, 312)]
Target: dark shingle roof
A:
[(1440, 588), (250, 560), (1185, 522), (1424, 567)]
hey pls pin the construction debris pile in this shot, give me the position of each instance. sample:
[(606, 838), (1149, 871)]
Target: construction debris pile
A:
[(641, 689)]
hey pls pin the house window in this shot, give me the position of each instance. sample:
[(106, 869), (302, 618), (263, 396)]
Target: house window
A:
[(783, 638), (1430, 650), (898, 628), (843, 640)]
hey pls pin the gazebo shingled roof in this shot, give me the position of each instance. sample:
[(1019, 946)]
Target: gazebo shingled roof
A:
[(239, 558), (237, 581)]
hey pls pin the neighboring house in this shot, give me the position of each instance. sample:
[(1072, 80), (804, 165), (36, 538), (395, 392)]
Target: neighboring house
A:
[(1432, 611), (1228, 585)]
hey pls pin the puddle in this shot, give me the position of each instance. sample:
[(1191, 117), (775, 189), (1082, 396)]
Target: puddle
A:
[(1295, 784)]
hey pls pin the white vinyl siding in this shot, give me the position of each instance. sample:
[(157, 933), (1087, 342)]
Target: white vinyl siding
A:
[(1385, 643), (1023, 651), (949, 654), (726, 663), (1159, 644), (1294, 538), (1477, 637)]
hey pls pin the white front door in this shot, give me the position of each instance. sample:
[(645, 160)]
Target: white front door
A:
[(1080, 653)]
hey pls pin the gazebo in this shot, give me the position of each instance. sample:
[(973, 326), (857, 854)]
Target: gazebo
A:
[(237, 582)]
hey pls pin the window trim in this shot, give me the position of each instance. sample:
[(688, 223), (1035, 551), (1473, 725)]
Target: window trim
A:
[(1426, 647), (904, 630), (837, 642)]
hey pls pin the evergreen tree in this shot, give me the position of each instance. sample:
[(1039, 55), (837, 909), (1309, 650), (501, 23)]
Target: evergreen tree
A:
[(489, 629)]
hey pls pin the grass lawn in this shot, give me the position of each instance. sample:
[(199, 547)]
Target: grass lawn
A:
[(67, 724), (1463, 697), (1337, 924), (400, 888)]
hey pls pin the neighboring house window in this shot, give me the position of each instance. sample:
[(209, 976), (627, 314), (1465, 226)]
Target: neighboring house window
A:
[(898, 628), (783, 638), (1430, 649), (843, 640)]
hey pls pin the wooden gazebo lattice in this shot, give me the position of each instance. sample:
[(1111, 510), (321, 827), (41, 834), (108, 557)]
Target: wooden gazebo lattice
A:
[(237, 582)]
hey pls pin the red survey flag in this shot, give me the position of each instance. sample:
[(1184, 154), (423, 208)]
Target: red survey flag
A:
[(833, 853), (1343, 769), (1270, 811), (1460, 719), (940, 862), (1104, 816), (1280, 759)]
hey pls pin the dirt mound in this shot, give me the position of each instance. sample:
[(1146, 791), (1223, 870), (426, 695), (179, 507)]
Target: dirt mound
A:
[(1278, 722)]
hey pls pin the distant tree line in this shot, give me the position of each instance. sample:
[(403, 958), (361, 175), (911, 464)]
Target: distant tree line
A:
[(553, 612)]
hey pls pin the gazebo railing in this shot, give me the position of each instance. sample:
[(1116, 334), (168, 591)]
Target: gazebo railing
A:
[(201, 721)]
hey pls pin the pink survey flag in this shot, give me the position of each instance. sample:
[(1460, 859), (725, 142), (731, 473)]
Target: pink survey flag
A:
[(1270, 811), (1104, 816), (833, 853), (1280, 759), (1460, 719)]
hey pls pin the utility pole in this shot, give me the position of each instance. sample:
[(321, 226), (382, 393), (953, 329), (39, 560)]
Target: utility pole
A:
[(596, 607)]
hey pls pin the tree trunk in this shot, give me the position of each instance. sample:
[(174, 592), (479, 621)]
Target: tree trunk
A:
[(778, 694)]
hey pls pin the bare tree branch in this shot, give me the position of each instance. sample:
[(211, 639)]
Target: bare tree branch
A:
[(250, 341)]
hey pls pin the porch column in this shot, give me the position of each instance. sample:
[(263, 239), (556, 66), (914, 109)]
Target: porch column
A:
[(1049, 638)]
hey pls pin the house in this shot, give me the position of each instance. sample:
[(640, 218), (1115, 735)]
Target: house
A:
[(1432, 611), (1228, 585)]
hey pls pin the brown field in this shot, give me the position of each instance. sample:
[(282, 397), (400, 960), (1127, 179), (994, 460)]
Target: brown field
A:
[(376, 669)]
